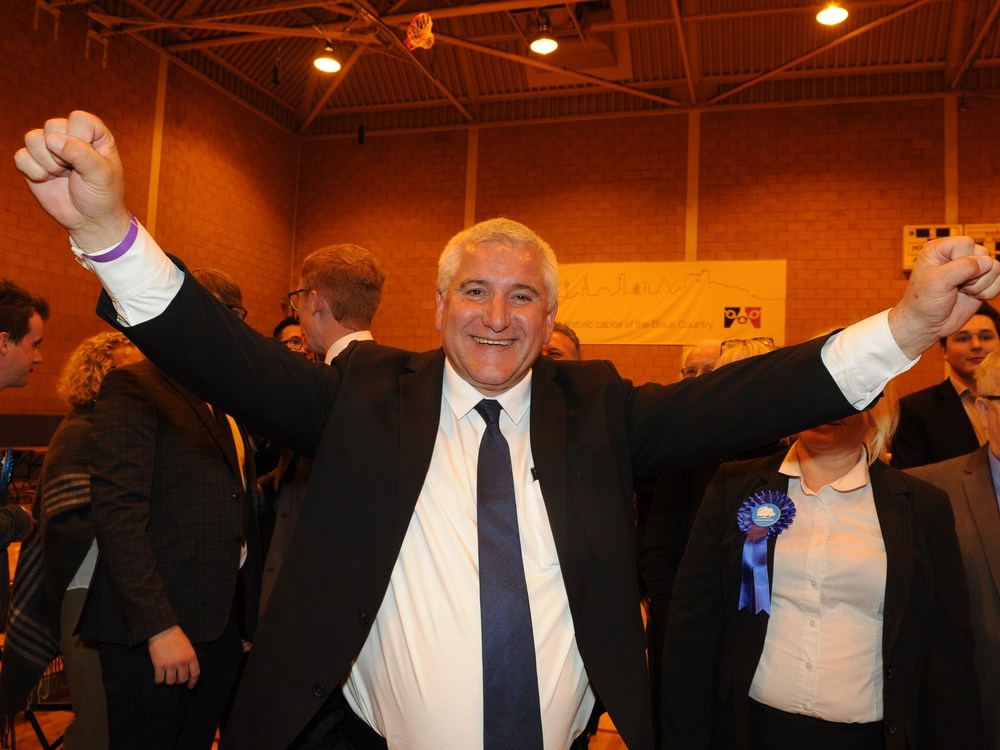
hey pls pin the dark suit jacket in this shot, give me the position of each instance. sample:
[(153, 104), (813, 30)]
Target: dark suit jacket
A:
[(933, 426), (371, 420), (167, 507), (930, 695), (969, 485)]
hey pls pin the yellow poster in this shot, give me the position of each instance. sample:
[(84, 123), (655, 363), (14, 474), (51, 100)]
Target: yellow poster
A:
[(673, 303)]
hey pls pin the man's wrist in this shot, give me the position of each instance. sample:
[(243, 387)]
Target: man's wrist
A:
[(98, 238), (105, 256)]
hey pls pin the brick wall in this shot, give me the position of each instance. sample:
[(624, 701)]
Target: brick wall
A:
[(401, 198), (227, 190), (827, 188), (227, 193)]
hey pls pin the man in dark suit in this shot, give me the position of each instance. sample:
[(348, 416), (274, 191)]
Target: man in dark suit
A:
[(380, 591), (970, 482), (338, 293), (939, 422), (174, 593)]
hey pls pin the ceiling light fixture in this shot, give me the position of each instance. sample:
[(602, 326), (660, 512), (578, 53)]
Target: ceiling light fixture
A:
[(831, 15), (326, 62), (544, 43)]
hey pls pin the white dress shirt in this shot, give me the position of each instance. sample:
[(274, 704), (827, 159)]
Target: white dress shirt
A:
[(822, 654), (419, 677)]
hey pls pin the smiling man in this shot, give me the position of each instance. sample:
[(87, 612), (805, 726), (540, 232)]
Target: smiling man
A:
[(941, 422), (424, 462), (22, 315)]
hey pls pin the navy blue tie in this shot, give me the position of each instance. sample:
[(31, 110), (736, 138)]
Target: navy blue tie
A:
[(511, 713)]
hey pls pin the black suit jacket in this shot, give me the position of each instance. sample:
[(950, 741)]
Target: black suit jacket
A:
[(167, 508), (969, 484), (933, 426), (371, 420), (930, 694)]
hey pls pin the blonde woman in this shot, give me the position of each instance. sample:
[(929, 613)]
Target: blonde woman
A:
[(822, 603)]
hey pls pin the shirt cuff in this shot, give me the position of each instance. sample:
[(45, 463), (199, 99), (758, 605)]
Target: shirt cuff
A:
[(863, 358), (140, 279)]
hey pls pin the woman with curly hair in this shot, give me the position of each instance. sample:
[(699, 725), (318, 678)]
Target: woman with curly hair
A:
[(55, 565)]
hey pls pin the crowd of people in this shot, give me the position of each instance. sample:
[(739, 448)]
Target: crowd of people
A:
[(316, 541)]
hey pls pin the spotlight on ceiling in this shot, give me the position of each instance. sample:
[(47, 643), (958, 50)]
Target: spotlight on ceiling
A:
[(831, 15), (326, 62), (543, 43)]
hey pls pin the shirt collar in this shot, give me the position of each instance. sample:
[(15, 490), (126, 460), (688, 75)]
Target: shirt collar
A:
[(340, 344), (854, 479), (462, 397), (960, 387)]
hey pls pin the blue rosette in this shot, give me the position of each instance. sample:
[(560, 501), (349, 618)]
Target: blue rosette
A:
[(762, 515)]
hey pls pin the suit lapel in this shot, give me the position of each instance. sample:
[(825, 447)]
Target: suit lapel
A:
[(222, 438), (895, 517), (953, 410), (982, 501), (548, 447), (420, 389)]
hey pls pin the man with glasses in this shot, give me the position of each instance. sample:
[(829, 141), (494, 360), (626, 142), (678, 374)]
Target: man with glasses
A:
[(972, 482), (340, 290), (340, 287), (289, 333), (701, 359)]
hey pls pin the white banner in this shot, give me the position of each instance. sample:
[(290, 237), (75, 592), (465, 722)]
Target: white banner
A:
[(673, 303)]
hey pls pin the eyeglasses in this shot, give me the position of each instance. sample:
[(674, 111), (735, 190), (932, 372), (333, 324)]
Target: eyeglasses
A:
[(694, 372), (293, 298), (239, 312), (294, 343), (733, 343)]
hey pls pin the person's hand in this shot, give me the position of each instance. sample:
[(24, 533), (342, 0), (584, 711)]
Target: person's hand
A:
[(73, 170), (174, 659), (952, 277)]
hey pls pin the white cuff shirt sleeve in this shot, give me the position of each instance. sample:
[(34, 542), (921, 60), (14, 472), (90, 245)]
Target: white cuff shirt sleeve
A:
[(141, 282), (863, 358)]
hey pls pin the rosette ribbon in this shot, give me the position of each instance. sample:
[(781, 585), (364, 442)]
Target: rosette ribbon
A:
[(762, 515)]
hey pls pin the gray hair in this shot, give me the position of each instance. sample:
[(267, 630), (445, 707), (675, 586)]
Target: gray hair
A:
[(507, 233)]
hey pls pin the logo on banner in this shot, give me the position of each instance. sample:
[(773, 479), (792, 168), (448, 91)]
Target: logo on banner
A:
[(741, 316)]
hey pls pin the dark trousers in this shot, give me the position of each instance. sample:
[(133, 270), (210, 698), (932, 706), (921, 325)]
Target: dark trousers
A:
[(771, 729), (145, 716)]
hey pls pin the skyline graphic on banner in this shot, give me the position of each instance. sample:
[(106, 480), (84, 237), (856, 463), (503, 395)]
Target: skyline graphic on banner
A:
[(673, 303)]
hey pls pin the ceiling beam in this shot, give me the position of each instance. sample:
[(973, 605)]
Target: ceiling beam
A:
[(977, 43), (689, 74), (369, 15), (602, 82), (330, 90), (913, 5)]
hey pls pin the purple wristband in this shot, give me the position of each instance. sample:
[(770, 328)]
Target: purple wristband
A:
[(122, 247)]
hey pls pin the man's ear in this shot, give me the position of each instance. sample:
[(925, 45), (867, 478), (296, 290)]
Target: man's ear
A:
[(438, 310), (4, 341)]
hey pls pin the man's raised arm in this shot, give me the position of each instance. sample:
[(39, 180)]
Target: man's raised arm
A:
[(73, 170)]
